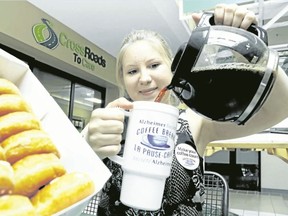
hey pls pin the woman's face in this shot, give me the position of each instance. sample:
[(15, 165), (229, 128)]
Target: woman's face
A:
[(145, 72)]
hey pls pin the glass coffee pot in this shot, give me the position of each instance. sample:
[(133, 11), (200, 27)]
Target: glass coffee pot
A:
[(224, 73)]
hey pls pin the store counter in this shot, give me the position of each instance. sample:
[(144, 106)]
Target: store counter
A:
[(274, 141)]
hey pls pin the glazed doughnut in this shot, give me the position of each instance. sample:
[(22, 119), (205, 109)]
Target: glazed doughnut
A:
[(34, 171), (16, 122), (2, 154), (62, 192), (6, 178), (8, 87), (27, 143), (32, 166), (12, 205), (12, 103)]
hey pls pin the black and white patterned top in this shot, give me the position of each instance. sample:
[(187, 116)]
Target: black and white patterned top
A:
[(184, 188)]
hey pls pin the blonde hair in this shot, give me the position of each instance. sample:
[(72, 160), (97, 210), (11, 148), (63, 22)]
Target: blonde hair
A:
[(159, 43), (137, 35)]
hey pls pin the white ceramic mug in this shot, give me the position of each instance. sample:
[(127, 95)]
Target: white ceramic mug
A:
[(148, 152)]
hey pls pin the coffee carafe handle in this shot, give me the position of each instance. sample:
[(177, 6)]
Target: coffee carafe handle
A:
[(260, 32), (207, 19)]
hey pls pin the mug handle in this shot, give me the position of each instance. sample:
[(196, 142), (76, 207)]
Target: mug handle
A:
[(116, 158)]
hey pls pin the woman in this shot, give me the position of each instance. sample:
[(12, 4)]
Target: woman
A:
[(143, 69)]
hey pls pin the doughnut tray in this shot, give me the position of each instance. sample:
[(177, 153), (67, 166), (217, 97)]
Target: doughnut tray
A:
[(76, 154)]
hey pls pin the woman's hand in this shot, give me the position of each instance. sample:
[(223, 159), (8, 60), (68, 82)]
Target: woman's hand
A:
[(106, 126), (231, 15)]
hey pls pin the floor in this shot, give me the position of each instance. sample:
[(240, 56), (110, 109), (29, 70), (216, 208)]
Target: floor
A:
[(248, 203), (253, 203)]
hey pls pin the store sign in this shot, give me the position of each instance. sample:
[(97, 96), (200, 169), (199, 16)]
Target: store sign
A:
[(83, 55)]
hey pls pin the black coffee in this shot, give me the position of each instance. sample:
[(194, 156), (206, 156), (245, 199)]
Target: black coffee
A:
[(161, 94), (221, 92)]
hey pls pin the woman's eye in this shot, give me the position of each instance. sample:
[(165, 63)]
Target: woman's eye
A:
[(155, 65), (132, 72)]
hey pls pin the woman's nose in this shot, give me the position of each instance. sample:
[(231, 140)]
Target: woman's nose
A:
[(145, 78)]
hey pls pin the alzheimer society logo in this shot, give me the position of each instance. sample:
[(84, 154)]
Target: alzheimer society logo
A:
[(44, 34)]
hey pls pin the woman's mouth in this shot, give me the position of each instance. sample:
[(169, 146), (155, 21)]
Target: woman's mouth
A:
[(147, 91)]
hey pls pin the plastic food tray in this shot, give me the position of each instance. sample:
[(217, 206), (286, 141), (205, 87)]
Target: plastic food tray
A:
[(76, 154)]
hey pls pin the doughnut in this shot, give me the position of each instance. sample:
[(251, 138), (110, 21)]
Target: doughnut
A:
[(6, 178), (8, 87), (12, 205), (2, 154), (34, 171), (62, 192), (30, 165), (12, 103), (16, 122), (27, 143)]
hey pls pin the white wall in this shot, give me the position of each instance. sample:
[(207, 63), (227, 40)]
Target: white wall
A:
[(274, 172)]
